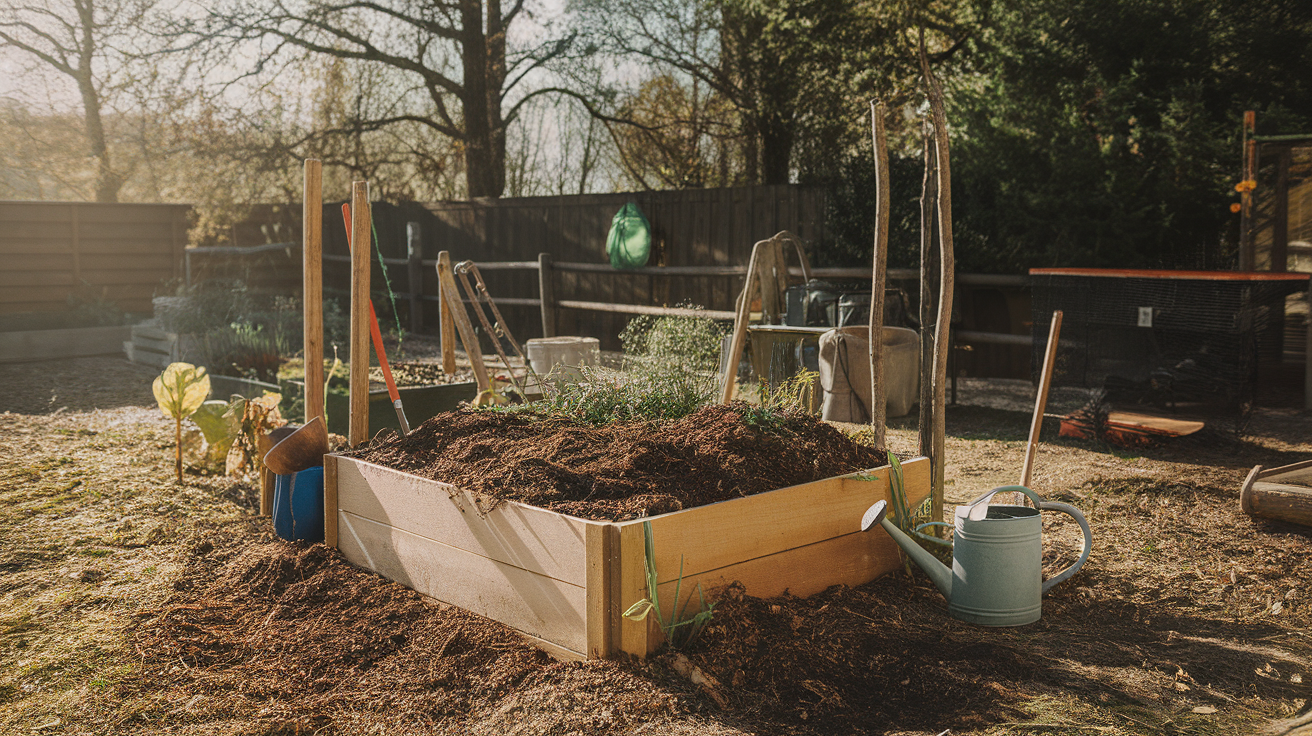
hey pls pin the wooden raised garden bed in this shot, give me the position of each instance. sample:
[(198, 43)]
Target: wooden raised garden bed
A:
[(564, 581)]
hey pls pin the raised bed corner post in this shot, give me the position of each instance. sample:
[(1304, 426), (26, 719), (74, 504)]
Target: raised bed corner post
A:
[(878, 399), (358, 428), (946, 274), (312, 287)]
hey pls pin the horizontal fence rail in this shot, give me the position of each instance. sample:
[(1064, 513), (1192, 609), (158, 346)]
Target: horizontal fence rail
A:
[(548, 308)]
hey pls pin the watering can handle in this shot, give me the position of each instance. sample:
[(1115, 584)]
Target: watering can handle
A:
[(977, 512), (1088, 540)]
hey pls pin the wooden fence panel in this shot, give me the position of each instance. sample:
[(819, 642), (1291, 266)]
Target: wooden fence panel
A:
[(122, 253), (699, 227)]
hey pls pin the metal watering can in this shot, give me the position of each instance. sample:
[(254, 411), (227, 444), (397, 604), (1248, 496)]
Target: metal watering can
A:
[(996, 577)]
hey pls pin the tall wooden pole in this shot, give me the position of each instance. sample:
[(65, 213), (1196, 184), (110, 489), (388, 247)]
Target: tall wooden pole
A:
[(358, 430), (547, 294), (1247, 241), (312, 288), (947, 268), (878, 389), (1041, 399), (446, 323), (742, 317), (928, 282)]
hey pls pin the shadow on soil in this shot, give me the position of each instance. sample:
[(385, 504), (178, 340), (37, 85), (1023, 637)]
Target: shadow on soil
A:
[(887, 656), (1214, 446)]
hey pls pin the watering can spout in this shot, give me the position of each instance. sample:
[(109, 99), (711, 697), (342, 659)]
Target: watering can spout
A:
[(938, 572)]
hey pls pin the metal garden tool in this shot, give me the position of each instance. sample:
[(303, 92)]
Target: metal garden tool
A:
[(996, 578), (299, 450)]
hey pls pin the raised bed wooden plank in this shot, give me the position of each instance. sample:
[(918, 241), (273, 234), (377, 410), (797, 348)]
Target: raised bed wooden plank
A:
[(537, 605), (852, 559), (516, 534), (705, 536)]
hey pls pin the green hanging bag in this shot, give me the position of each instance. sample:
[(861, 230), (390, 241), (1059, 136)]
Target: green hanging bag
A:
[(629, 243)]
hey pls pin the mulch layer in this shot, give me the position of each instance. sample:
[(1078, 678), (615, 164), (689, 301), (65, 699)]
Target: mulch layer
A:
[(622, 470), (293, 636)]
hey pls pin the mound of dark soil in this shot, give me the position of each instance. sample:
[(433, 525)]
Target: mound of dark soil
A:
[(295, 637), (622, 470)]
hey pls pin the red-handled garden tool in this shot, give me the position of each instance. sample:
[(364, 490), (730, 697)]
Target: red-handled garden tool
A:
[(378, 339)]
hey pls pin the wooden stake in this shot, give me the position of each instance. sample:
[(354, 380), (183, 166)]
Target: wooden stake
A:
[(740, 322), (878, 390), (358, 429), (947, 268), (451, 303), (547, 295), (1041, 400), (928, 280), (312, 288), (446, 325)]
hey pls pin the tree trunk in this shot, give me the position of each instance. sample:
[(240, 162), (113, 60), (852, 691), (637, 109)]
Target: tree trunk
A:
[(483, 62), (776, 152), (108, 182)]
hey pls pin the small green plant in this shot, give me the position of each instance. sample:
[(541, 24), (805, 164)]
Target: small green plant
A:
[(791, 398), (912, 522), (669, 372), (681, 630), (180, 390)]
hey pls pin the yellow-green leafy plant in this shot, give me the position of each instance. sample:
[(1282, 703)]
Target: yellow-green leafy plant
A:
[(180, 390)]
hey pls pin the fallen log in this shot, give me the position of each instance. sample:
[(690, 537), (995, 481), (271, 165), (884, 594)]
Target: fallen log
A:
[(1277, 493)]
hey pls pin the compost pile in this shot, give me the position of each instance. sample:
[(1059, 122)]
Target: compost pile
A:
[(622, 470)]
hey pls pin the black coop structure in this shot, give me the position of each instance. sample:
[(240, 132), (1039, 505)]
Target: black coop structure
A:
[(1164, 338)]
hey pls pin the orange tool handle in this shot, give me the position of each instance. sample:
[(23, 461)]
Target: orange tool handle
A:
[(373, 318)]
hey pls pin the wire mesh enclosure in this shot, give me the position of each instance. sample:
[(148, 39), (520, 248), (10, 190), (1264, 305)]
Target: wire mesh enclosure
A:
[(1163, 338)]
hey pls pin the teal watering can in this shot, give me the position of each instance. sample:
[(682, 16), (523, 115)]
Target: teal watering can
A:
[(996, 577)]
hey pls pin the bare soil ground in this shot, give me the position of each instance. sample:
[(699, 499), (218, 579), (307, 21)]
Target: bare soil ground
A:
[(132, 604)]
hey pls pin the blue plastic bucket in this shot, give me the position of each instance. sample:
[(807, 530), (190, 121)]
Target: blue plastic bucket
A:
[(298, 505)]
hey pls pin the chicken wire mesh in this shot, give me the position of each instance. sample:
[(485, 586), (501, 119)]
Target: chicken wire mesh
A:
[(1164, 339)]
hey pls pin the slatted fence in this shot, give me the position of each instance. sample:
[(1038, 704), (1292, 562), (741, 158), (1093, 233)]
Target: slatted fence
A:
[(122, 253)]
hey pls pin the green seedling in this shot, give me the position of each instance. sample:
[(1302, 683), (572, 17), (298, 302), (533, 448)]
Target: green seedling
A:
[(681, 630)]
